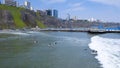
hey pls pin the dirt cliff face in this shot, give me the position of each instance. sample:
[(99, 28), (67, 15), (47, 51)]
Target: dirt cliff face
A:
[(29, 18), (6, 19)]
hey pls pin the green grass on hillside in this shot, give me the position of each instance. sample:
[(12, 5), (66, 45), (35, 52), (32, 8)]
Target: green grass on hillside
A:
[(16, 15), (40, 24), (38, 14)]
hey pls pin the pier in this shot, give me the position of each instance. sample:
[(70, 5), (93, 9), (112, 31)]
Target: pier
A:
[(90, 30)]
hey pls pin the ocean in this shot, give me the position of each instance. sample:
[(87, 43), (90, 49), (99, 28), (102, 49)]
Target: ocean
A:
[(59, 50)]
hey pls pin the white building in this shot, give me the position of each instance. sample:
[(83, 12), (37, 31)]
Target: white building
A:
[(10, 2), (31, 8), (92, 20), (27, 5)]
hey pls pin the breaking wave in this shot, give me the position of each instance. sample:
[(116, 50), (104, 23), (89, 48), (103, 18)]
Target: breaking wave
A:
[(108, 51), (14, 32)]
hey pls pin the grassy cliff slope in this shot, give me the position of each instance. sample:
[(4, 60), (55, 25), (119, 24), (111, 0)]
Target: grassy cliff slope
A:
[(17, 16)]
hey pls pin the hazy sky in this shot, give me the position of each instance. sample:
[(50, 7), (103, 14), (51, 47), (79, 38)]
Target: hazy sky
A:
[(107, 10)]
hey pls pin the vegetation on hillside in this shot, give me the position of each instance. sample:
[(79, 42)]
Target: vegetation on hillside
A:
[(16, 15), (40, 24)]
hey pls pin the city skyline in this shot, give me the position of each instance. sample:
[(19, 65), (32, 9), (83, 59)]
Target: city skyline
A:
[(105, 10)]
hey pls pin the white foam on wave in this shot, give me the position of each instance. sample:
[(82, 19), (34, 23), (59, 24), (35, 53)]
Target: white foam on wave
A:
[(13, 32), (19, 33), (33, 32), (108, 51)]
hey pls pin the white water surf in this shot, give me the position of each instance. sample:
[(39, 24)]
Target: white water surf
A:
[(108, 51)]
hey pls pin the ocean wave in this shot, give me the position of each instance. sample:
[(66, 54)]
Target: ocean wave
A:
[(108, 51), (14, 32)]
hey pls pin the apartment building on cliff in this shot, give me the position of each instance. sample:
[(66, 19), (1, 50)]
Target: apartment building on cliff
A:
[(10, 2), (53, 13), (27, 5)]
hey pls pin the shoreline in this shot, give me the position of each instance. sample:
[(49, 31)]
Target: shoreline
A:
[(89, 30)]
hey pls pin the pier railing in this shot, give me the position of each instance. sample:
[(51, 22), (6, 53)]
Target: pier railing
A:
[(78, 30)]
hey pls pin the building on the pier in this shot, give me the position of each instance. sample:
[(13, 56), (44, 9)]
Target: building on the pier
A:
[(10, 2), (27, 5)]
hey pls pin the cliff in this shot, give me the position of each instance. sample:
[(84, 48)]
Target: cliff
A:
[(16, 17)]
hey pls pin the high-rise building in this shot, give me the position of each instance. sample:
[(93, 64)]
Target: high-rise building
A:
[(10, 2), (14, 3), (27, 5), (68, 17), (55, 13), (0, 2), (49, 12)]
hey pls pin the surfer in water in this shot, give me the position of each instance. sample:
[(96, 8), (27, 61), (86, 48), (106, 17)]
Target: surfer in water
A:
[(94, 52)]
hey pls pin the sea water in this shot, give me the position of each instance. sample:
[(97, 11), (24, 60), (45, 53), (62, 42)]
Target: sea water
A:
[(46, 50)]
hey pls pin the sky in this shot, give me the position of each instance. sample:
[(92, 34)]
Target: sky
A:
[(104, 10)]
